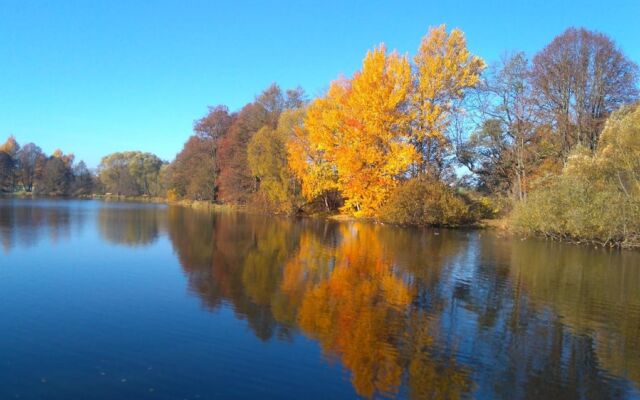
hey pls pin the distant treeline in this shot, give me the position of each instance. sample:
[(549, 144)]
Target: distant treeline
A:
[(28, 169), (439, 138)]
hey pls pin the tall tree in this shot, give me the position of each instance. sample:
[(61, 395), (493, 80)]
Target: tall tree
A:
[(8, 164), (361, 128), (7, 168), (279, 189), (582, 76), (131, 173), (504, 150), (57, 175), (31, 162), (83, 180), (192, 174), (444, 70), (215, 124), (236, 183)]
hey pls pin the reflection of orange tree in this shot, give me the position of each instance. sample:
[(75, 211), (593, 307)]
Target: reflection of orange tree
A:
[(349, 286), (361, 313)]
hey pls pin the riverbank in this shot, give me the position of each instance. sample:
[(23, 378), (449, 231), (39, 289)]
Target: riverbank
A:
[(503, 226)]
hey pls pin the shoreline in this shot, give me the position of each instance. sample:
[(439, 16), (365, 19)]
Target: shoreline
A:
[(500, 226)]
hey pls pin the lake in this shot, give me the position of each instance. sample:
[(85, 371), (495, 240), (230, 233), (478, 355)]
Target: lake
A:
[(104, 300)]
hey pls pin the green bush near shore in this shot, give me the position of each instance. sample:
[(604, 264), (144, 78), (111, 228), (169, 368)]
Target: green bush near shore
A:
[(430, 202), (596, 199)]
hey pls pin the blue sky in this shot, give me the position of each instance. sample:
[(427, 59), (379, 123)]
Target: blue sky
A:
[(96, 77)]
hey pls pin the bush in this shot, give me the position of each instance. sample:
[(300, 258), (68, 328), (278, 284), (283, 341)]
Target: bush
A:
[(578, 210), (596, 199), (172, 195), (427, 202)]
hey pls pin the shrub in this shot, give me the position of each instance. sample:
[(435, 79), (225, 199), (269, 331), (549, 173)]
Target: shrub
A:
[(596, 198), (427, 202), (172, 195)]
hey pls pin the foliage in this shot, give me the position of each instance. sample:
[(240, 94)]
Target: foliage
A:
[(511, 140), (131, 173), (31, 161), (193, 172), (445, 69), (429, 202), (597, 196), (57, 175), (278, 188), (359, 129), (84, 182), (236, 183), (28, 169)]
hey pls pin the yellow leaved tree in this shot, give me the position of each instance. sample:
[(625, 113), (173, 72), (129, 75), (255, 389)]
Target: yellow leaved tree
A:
[(356, 137), (444, 69)]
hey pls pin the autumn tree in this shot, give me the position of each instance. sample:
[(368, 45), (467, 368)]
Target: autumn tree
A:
[(56, 176), (8, 164), (7, 167), (83, 180), (312, 166), (11, 147), (131, 173), (278, 188), (509, 143), (235, 182), (215, 124), (360, 129), (31, 160), (596, 198), (582, 76), (444, 70), (193, 172)]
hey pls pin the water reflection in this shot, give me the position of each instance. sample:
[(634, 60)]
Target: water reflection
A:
[(25, 223), (406, 312), (361, 312), (131, 224), (595, 293), (425, 315), (238, 259)]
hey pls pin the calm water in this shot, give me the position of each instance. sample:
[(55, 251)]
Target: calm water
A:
[(128, 301)]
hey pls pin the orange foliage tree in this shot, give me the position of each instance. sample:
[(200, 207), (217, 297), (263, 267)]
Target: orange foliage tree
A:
[(357, 135)]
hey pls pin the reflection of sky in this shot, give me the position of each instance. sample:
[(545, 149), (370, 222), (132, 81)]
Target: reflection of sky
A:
[(101, 321), (81, 304)]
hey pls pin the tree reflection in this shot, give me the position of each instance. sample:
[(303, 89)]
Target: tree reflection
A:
[(361, 312), (424, 314), (131, 226), (25, 223), (236, 258), (595, 291)]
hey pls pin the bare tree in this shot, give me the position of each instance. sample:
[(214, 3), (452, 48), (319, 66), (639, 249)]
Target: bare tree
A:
[(581, 77), (503, 147), (31, 162)]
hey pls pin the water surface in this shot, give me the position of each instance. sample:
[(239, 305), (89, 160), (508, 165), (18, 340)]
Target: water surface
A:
[(121, 300)]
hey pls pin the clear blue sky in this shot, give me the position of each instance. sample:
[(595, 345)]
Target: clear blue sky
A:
[(96, 77)]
